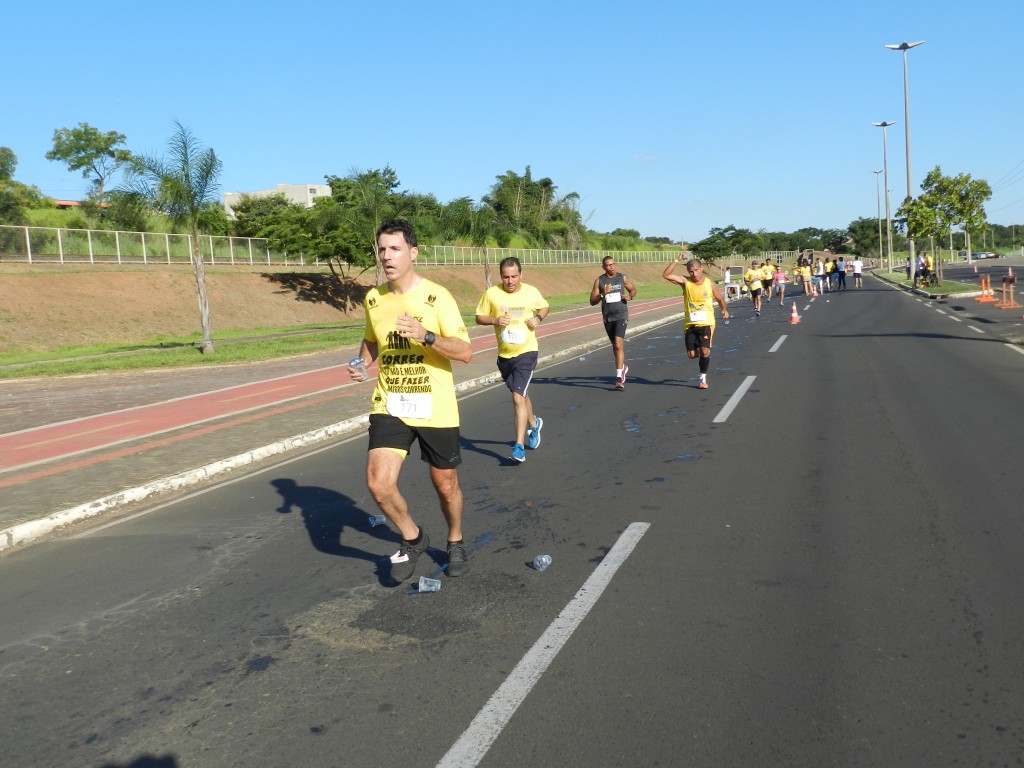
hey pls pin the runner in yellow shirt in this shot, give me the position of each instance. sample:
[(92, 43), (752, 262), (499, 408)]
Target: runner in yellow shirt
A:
[(752, 277), (767, 280), (414, 328), (699, 296), (515, 309)]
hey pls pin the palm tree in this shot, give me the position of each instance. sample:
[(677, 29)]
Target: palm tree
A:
[(180, 185)]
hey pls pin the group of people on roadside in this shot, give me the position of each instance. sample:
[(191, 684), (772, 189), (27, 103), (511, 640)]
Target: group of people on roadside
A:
[(819, 275), (922, 270), (414, 330)]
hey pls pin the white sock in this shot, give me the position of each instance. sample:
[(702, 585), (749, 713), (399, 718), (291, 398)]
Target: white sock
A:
[(618, 372)]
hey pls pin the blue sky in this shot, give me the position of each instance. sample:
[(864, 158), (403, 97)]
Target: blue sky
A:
[(666, 117)]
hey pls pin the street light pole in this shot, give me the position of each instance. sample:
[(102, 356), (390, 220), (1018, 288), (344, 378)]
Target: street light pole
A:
[(885, 169), (906, 128), (878, 215)]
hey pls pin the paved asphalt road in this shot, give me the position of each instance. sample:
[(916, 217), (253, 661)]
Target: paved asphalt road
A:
[(815, 562)]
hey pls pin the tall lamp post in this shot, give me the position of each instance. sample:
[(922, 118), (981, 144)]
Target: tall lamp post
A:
[(885, 169), (878, 215), (906, 127)]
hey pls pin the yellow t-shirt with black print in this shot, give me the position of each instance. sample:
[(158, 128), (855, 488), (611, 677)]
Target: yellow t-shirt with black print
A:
[(414, 382), (699, 301), (515, 338)]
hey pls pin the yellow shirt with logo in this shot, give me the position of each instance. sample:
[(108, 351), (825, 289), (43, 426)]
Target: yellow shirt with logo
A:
[(753, 277), (699, 303), (515, 338), (414, 382)]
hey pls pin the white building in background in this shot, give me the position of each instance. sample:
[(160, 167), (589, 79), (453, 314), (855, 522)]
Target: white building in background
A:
[(303, 194)]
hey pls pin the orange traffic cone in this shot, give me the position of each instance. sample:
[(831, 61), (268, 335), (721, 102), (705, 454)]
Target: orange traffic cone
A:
[(794, 318)]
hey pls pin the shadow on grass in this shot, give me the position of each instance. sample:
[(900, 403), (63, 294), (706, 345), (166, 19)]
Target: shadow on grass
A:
[(342, 294)]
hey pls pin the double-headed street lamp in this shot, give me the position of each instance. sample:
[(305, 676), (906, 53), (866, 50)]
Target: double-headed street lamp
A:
[(878, 215), (885, 169), (906, 127)]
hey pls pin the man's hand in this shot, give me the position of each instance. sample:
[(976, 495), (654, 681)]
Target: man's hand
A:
[(409, 327)]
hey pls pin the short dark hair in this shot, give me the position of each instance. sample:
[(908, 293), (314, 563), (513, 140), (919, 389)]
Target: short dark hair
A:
[(606, 259), (392, 226), (510, 261)]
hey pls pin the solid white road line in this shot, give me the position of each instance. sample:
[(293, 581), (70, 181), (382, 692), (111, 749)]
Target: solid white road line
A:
[(1016, 348), (778, 343), (473, 744), (734, 400)]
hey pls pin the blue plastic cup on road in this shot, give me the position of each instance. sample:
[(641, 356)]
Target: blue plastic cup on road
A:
[(541, 562)]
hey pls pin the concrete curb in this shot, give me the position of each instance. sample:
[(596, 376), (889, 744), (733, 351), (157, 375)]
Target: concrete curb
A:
[(25, 533)]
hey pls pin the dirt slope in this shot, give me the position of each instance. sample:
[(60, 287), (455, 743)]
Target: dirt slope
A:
[(57, 306)]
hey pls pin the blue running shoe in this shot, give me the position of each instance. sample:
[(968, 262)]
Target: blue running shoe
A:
[(533, 434), (519, 452)]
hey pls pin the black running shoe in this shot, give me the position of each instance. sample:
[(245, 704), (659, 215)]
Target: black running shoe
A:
[(403, 562), (458, 560)]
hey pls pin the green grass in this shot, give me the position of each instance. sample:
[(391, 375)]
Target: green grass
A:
[(951, 287)]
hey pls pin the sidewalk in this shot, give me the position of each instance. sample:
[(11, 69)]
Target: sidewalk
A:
[(316, 403)]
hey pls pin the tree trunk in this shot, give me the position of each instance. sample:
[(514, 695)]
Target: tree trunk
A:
[(204, 306)]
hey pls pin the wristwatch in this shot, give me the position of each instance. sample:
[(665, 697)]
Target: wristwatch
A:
[(429, 339)]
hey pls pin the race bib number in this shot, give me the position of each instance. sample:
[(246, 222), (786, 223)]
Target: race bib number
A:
[(699, 317), (416, 405), (613, 298), (516, 335)]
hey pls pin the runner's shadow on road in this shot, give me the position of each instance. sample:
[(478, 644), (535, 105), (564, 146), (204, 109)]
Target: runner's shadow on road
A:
[(586, 382), (470, 444), (326, 514), (608, 385)]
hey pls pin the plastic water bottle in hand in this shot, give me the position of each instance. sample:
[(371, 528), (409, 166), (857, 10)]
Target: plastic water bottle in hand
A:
[(359, 364)]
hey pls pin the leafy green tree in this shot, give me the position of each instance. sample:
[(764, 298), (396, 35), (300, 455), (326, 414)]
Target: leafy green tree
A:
[(128, 211), (627, 233), (531, 210), (254, 216), (835, 240), (365, 199), (15, 197), (945, 202), (864, 235), (97, 155), (181, 185), (8, 162)]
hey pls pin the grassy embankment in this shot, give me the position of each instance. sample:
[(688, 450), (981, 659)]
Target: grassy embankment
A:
[(244, 345)]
